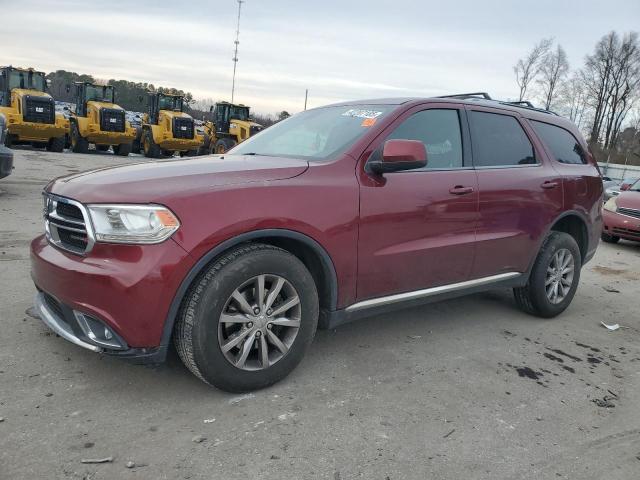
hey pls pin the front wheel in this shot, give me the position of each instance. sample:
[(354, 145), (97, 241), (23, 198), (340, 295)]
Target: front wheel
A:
[(223, 145), (554, 277), (56, 144), (78, 143), (122, 150), (249, 318)]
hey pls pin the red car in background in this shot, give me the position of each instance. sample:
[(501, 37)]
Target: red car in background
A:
[(621, 216), (334, 214)]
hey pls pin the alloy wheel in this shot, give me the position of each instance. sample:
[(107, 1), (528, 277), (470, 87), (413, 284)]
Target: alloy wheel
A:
[(259, 322), (559, 276)]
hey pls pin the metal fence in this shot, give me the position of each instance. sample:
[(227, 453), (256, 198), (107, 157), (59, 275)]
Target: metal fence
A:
[(615, 171)]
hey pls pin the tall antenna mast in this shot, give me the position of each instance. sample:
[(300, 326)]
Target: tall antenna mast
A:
[(235, 53)]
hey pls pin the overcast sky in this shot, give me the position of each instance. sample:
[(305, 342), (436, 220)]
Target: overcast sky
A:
[(337, 49)]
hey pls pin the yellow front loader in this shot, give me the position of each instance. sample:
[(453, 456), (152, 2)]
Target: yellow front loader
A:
[(30, 112), (100, 121), (167, 129), (231, 125)]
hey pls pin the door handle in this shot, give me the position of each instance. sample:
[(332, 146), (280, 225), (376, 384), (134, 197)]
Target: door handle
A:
[(460, 190), (549, 184)]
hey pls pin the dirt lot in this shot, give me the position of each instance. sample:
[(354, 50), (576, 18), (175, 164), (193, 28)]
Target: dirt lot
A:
[(468, 388)]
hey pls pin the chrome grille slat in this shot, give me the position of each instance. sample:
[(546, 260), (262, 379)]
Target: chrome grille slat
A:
[(63, 226), (630, 212)]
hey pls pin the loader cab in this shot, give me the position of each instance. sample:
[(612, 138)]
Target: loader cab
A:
[(88, 92), (163, 101), (11, 78), (224, 112)]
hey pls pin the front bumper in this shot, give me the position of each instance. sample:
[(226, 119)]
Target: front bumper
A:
[(622, 226), (6, 161), (126, 288)]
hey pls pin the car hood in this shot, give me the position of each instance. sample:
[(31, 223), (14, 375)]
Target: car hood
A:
[(149, 182), (628, 199)]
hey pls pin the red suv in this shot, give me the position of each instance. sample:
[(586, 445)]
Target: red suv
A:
[(336, 213)]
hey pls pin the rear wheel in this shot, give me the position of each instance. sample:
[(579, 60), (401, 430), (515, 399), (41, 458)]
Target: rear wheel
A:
[(122, 150), (56, 144), (150, 147), (609, 238), (554, 277), (249, 318), (224, 144), (191, 153), (78, 143)]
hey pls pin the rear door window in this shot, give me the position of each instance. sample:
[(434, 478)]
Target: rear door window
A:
[(563, 145), (499, 141)]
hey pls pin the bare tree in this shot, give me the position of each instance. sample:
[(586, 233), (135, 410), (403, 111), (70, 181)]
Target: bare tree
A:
[(612, 79), (572, 99), (528, 68), (554, 67)]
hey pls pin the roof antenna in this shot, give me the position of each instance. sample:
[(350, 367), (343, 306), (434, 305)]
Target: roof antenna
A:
[(235, 53)]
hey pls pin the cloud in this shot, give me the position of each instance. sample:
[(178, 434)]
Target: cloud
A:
[(338, 50)]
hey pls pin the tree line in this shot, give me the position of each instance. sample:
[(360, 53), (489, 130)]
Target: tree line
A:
[(602, 96)]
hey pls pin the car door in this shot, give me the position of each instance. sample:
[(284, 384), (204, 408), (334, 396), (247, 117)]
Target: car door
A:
[(417, 227), (520, 193)]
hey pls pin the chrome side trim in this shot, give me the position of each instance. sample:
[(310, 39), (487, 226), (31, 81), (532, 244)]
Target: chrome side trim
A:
[(428, 292), (51, 320)]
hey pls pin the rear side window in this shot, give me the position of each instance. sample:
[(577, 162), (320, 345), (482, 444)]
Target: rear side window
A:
[(499, 141), (439, 130), (563, 145)]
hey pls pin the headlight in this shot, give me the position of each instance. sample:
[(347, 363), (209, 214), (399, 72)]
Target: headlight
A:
[(611, 205), (132, 223)]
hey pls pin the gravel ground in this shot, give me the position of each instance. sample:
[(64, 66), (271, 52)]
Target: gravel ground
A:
[(468, 388)]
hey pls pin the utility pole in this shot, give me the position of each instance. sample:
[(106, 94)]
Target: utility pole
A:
[(235, 53), (306, 95)]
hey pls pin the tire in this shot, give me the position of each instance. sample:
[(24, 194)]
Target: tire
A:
[(533, 298), (78, 143), (191, 153), (122, 150), (199, 334), (135, 146), (56, 144), (150, 147), (223, 145), (609, 238), (8, 141), (103, 148), (168, 153)]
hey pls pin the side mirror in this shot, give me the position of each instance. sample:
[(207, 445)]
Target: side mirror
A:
[(398, 155), (67, 87)]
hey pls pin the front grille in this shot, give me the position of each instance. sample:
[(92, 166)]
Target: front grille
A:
[(630, 212), (38, 109), (626, 231), (112, 120), (183, 127), (65, 224)]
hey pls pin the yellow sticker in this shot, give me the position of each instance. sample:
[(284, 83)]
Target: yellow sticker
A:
[(368, 122)]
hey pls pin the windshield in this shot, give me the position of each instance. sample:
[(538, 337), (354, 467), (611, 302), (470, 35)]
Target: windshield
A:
[(99, 93), (170, 103), (239, 113), (30, 80), (315, 134)]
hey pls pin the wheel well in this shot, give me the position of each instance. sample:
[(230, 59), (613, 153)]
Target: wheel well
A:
[(574, 226), (321, 274)]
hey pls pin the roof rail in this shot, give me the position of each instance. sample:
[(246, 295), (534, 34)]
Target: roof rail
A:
[(529, 106), (462, 96), (520, 103)]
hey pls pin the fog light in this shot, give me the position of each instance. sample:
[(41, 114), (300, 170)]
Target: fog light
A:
[(98, 332)]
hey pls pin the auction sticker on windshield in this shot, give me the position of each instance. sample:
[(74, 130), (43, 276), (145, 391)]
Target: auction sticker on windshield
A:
[(358, 113)]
